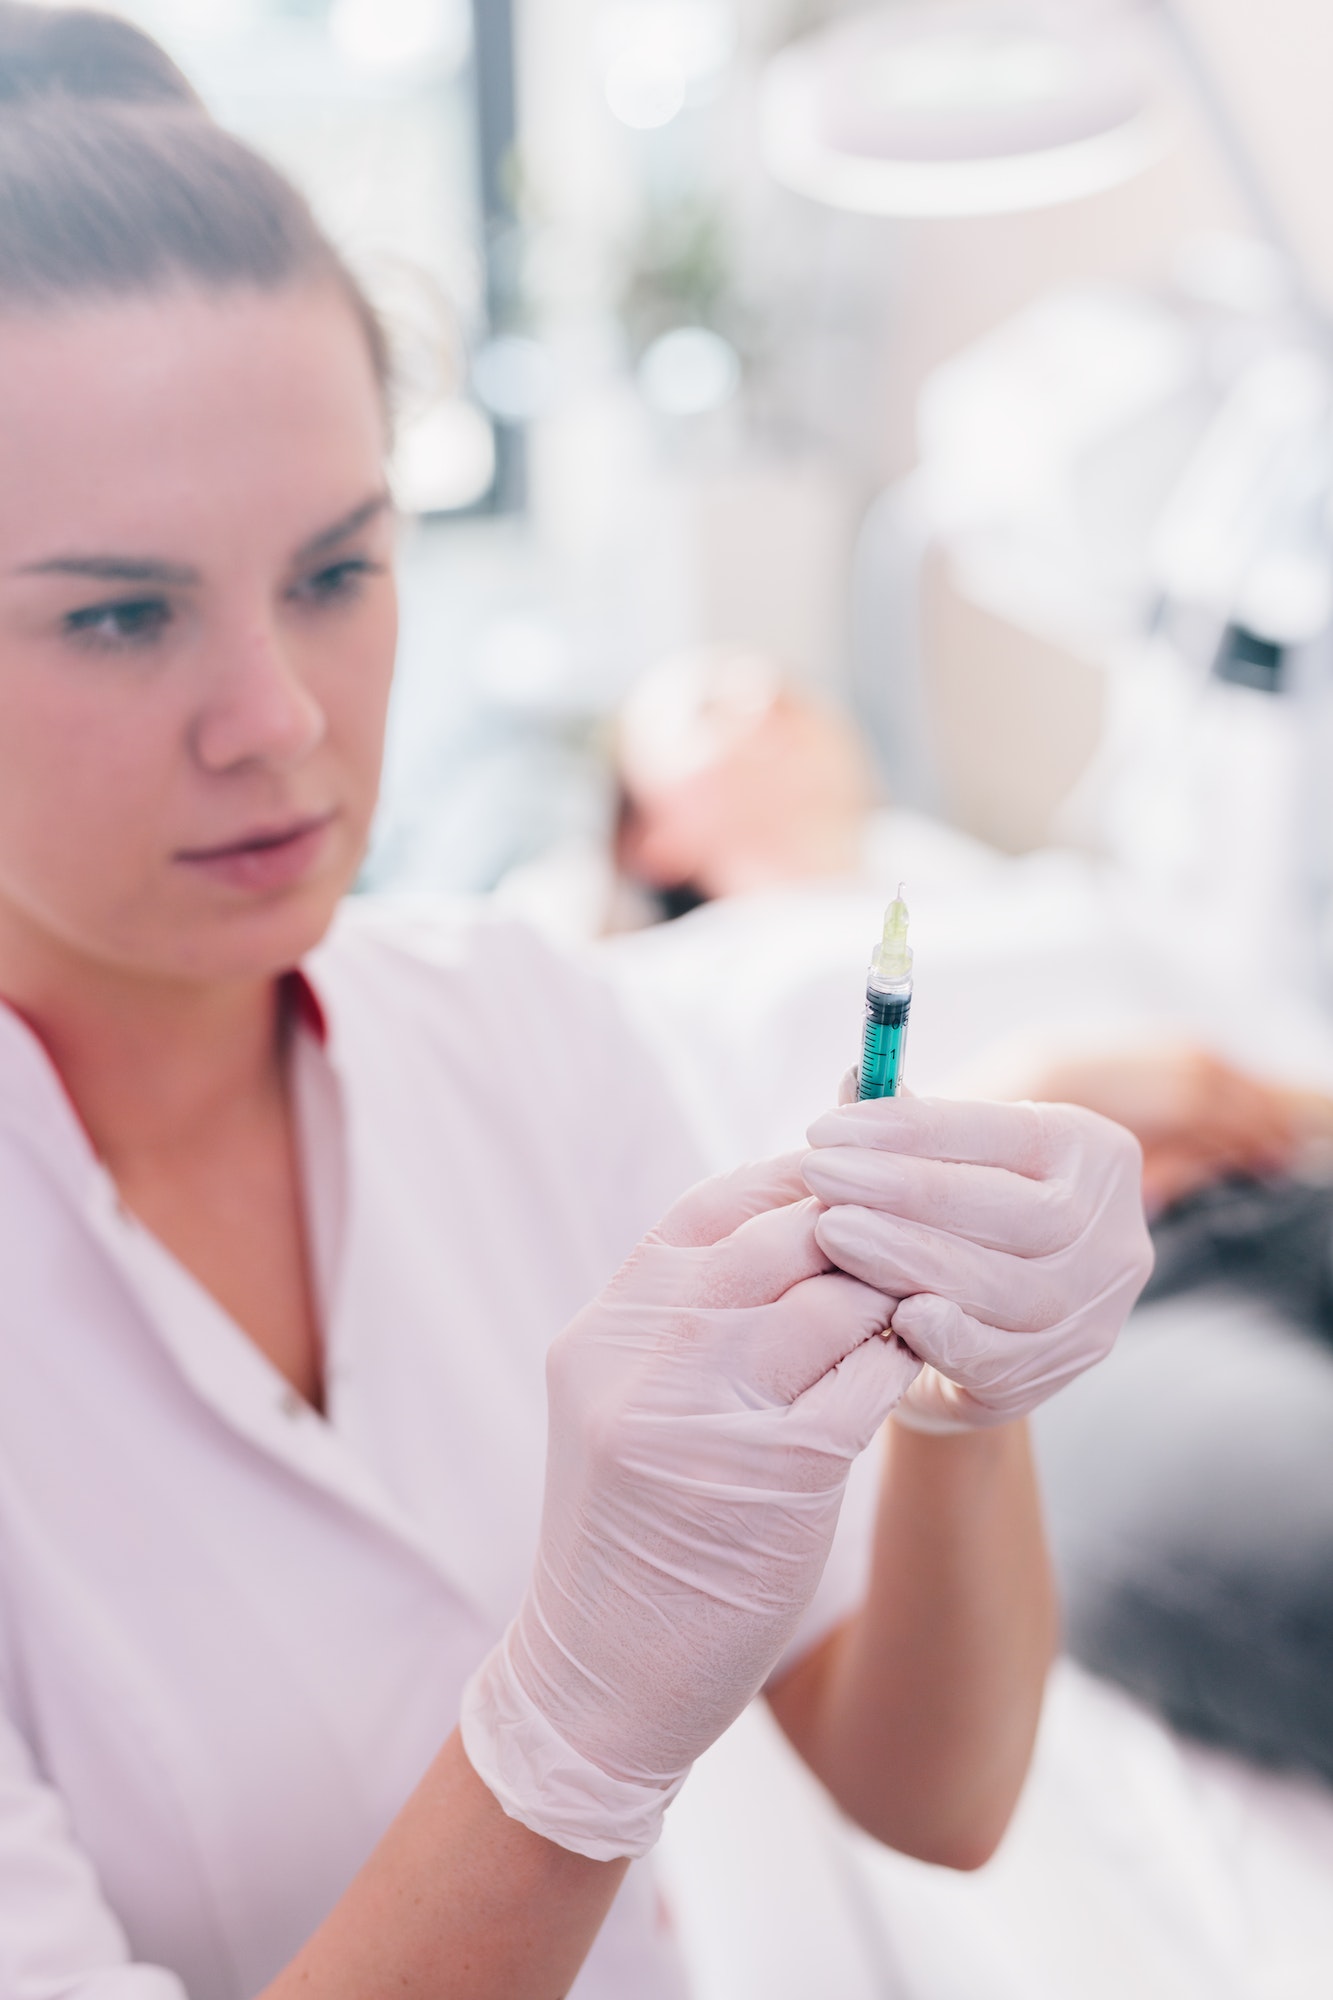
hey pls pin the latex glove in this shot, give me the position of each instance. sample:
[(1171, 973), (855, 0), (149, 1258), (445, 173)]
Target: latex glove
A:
[(704, 1412), (1012, 1234)]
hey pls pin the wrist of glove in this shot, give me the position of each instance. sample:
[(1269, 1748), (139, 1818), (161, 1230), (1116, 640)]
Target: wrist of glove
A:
[(541, 1780), (704, 1413), (1012, 1235)]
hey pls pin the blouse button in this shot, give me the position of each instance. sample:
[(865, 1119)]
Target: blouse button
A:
[(292, 1404)]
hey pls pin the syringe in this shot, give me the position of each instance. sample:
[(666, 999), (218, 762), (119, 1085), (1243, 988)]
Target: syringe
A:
[(888, 1003)]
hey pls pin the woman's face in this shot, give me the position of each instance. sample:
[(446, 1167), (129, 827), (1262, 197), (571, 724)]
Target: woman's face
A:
[(197, 629)]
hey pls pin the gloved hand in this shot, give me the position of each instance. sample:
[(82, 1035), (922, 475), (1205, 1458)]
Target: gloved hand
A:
[(1012, 1234), (704, 1411)]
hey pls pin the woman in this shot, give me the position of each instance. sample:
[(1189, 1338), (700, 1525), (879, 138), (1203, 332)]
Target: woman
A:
[(309, 1682)]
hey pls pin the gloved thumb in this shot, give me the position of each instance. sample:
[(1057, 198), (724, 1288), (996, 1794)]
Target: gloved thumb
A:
[(706, 1213), (845, 1408), (928, 1315), (941, 1333)]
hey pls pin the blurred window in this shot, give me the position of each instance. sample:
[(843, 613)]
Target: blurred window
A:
[(394, 117)]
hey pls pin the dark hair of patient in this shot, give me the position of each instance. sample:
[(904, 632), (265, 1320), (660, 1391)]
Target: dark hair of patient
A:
[(115, 182)]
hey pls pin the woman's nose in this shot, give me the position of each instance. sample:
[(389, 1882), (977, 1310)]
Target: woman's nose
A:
[(259, 710)]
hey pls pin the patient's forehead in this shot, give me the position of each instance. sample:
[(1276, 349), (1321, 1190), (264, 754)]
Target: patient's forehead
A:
[(188, 415)]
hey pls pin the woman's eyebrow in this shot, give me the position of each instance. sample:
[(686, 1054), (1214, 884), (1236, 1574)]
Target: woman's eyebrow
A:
[(150, 570), (350, 524), (113, 569)]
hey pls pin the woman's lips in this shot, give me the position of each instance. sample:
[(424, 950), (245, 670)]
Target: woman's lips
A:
[(269, 858)]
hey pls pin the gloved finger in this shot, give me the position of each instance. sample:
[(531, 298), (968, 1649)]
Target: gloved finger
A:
[(1029, 1139), (1004, 1371), (753, 1266), (782, 1350), (761, 1260), (713, 1208), (993, 1207), (981, 1359), (941, 1333), (900, 1258), (841, 1412)]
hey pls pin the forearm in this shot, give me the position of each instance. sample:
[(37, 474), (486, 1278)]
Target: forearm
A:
[(458, 1902), (919, 1715)]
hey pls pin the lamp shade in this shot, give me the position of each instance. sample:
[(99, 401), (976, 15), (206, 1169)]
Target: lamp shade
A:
[(980, 107)]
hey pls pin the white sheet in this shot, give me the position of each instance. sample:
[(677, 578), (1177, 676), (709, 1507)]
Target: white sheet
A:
[(1137, 1867)]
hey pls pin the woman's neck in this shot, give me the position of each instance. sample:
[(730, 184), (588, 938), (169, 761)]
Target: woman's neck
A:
[(182, 1089), (147, 1061)]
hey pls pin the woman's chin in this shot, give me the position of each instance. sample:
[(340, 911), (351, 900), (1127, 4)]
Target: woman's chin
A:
[(262, 941)]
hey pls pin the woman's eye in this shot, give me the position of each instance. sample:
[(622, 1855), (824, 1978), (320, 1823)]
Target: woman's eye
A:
[(137, 621), (339, 582)]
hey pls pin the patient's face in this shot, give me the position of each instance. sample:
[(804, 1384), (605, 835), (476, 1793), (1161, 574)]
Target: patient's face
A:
[(197, 628)]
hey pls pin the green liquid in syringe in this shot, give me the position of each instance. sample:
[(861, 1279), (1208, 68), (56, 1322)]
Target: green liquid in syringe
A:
[(882, 1047)]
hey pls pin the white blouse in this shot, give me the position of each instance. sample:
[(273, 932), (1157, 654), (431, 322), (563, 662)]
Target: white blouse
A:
[(234, 1633)]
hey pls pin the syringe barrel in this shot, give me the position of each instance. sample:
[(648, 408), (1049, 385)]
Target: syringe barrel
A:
[(884, 1038)]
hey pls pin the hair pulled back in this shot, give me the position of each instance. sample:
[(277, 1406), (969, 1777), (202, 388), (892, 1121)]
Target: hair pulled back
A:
[(115, 182)]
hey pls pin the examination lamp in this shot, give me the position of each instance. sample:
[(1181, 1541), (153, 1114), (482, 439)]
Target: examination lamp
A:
[(969, 108), (988, 107)]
